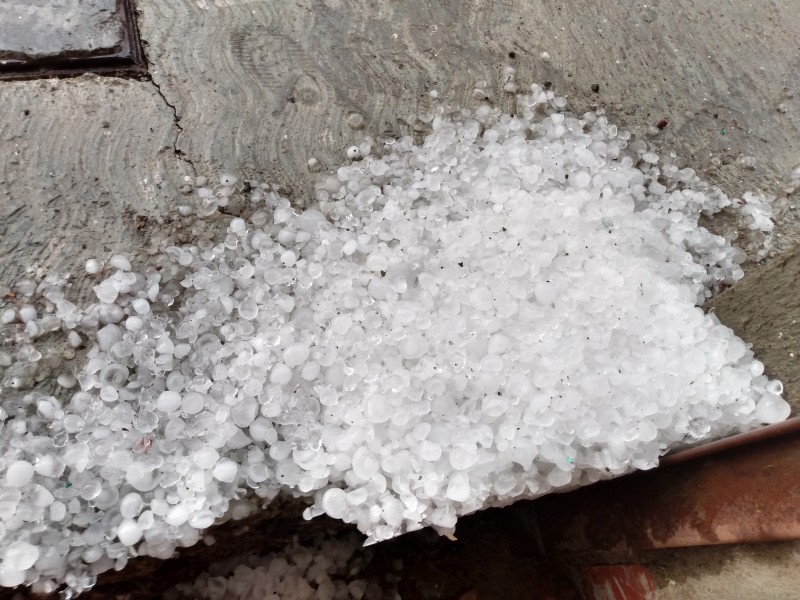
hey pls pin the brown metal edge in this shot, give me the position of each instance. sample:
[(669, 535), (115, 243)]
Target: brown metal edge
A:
[(734, 441), (741, 490), (128, 61)]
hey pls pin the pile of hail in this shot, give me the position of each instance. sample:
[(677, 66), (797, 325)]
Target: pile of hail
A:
[(508, 308), (328, 569)]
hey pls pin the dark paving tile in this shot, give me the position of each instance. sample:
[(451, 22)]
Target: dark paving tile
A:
[(61, 37), (39, 28)]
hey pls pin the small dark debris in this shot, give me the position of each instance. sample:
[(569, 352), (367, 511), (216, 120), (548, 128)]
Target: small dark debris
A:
[(26, 112), (595, 87), (512, 55), (662, 123), (547, 85)]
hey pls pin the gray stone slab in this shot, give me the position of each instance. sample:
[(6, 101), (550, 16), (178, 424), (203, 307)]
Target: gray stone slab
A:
[(40, 28)]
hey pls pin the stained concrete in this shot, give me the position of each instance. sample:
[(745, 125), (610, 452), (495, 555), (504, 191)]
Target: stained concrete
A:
[(762, 572), (764, 309), (257, 87)]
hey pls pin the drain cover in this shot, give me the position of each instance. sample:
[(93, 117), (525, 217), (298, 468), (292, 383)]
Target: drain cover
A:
[(46, 38)]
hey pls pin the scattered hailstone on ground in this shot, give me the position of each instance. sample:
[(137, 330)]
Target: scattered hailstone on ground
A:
[(330, 569), (508, 309)]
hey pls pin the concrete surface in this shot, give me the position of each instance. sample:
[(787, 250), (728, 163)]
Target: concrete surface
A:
[(757, 572), (764, 309), (38, 28), (257, 87)]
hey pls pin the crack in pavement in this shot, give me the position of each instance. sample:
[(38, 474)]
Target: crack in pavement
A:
[(176, 119)]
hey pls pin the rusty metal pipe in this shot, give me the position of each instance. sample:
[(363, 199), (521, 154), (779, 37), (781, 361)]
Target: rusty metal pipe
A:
[(742, 489), (734, 441)]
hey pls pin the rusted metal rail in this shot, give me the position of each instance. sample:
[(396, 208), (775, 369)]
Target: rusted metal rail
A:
[(739, 490)]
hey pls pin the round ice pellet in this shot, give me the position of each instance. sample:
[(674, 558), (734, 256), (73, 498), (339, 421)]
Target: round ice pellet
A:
[(261, 430), (772, 409), (141, 477), (192, 403), (20, 556), (280, 374), (58, 510), (413, 346), (462, 458), (141, 306), (429, 451), (27, 313), (756, 368), (258, 472), (129, 532), (349, 247), (131, 505), (91, 490), (458, 488), (379, 409), (357, 496), (334, 503), (310, 371), (559, 478), (11, 578), (201, 519), (340, 324), (66, 380), (146, 520), (205, 457), (248, 310), (295, 354), (19, 473), (119, 262), (364, 464), (582, 179), (225, 470), (169, 401), (41, 496), (775, 387), (93, 266), (177, 515)]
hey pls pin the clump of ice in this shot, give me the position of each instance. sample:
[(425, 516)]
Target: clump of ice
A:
[(329, 569), (508, 309)]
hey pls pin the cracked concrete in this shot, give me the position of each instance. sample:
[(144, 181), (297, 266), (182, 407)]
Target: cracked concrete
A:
[(84, 158), (180, 154)]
